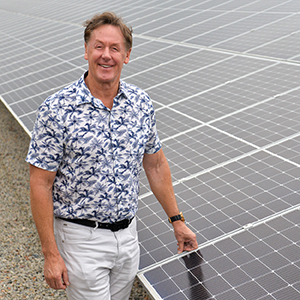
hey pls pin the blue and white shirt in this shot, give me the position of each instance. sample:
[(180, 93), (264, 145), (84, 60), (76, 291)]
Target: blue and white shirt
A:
[(97, 152)]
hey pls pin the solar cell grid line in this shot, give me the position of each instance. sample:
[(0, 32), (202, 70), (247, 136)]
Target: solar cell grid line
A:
[(139, 8), (185, 7), (281, 89), (222, 116), (258, 258), (261, 36), (271, 196), (207, 32), (54, 10), (269, 20), (243, 26), (277, 5), (185, 28), (246, 154), (166, 64), (140, 14), (36, 85), (285, 48), (250, 79), (270, 113), (208, 89), (238, 5), (40, 52), (73, 11), (225, 237), (31, 24), (45, 38), (33, 70), (290, 127), (158, 58), (279, 39), (288, 149), (175, 17)]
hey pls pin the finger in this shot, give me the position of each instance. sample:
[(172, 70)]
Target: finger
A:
[(180, 247), (56, 283), (59, 285), (189, 246), (65, 278)]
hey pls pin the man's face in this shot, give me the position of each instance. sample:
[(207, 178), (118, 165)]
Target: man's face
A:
[(106, 54)]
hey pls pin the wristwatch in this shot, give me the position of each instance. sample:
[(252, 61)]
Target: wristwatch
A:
[(177, 218)]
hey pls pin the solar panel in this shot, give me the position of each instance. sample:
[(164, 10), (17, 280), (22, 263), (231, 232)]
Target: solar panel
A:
[(260, 262), (224, 80)]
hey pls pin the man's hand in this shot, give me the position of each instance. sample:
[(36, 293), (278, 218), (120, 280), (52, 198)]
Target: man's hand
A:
[(186, 239), (41, 186), (55, 273)]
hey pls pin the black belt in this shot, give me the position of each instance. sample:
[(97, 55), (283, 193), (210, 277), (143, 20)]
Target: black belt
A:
[(112, 226)]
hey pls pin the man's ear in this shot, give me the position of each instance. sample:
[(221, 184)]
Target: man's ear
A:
[(127, 57), (85, 51)]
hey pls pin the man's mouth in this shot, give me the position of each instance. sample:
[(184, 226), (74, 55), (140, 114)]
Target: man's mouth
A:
[(105, 66)]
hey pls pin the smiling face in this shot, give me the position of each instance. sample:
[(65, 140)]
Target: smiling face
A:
[(106, 54)]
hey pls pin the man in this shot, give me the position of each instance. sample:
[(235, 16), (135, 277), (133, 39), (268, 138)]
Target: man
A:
[(88, 146)]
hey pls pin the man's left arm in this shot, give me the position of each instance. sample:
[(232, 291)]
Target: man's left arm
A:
[(159, 177)]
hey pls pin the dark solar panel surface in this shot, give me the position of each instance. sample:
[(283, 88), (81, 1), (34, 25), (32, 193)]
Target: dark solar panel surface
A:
[(224, 77)]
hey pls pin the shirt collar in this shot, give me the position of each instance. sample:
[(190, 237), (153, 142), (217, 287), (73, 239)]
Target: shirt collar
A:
[(123, 89)]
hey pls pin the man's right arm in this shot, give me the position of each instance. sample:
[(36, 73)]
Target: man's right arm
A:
[(41, 184)]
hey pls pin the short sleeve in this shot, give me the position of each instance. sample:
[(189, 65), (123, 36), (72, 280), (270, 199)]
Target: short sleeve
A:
[(46, 145), (153, 145)]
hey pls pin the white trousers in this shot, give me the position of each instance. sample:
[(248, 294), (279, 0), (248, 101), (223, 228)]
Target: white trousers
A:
[(101, 264)]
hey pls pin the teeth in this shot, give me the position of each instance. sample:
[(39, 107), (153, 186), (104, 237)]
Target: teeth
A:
[(105, 66)]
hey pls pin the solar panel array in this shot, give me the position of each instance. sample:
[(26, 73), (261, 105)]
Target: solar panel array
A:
[(224, 77)]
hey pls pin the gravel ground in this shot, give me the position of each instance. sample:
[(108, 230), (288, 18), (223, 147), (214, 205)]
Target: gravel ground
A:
[(21, 260)]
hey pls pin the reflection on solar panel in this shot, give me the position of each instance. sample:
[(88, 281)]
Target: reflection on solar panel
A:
[(224, 76)]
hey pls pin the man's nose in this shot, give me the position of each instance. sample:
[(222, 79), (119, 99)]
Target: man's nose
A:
[(106, 53)]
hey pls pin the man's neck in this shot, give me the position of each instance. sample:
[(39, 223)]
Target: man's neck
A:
[(104, 91)]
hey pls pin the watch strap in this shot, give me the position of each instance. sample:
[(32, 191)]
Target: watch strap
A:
[(176, 218)]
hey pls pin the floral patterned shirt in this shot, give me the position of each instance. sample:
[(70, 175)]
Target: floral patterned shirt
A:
[(96, 152)]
